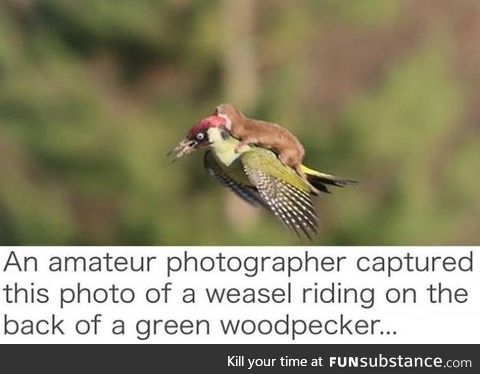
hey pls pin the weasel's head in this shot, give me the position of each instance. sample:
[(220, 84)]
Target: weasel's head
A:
[(198, 135), (230, 113)]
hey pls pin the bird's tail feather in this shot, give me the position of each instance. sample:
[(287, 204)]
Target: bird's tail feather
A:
[(319, 180)]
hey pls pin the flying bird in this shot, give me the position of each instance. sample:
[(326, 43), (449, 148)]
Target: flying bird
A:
[(257, 172)]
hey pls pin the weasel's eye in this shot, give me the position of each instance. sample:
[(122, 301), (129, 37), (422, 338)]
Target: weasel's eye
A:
[(224, 133), (200, 136)]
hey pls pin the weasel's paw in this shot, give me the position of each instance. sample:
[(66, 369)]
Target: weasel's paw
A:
[(240, 148)]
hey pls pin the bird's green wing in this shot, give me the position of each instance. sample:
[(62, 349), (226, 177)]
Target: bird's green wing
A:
[(287, 195), (247, 193)]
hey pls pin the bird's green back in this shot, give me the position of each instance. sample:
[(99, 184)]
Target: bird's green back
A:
[(234, 161), (259, 177)]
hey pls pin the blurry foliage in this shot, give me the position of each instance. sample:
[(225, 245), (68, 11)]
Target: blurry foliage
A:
[(359, 13), (94, 93), (399, 131)]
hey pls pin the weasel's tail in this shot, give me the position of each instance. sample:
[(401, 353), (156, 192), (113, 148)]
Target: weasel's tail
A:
[(319, 180)]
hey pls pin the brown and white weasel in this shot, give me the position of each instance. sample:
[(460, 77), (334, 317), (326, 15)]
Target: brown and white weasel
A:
[(264, 134)]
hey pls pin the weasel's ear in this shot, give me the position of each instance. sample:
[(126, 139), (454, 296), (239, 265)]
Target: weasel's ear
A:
[(219, 109)]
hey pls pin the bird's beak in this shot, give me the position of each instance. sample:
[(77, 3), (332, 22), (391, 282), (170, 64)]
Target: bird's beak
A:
[(185, 147)]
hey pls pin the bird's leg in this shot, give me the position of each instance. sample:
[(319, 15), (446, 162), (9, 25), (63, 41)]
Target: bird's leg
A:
[(245, 142)]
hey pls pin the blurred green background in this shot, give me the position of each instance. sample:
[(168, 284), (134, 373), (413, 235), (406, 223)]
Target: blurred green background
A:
[(93, 93)]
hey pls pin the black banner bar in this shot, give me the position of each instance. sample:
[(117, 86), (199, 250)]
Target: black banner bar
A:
[(241, 358)]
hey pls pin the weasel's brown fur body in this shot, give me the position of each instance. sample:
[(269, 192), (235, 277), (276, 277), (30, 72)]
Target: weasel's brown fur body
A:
[(265, 134)]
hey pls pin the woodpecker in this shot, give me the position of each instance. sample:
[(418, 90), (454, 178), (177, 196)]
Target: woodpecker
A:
[(257, 175)]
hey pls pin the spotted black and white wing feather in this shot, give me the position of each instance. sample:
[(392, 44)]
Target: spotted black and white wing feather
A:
[(290, 203), (247, 193)]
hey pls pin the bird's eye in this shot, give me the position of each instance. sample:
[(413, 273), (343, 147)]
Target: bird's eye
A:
[(200, 136)]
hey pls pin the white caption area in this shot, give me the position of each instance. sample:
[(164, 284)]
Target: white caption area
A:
[(279, 295)]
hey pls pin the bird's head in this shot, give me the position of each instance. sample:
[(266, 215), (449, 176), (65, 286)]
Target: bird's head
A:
[(198, 136)]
